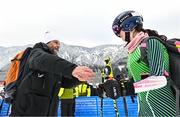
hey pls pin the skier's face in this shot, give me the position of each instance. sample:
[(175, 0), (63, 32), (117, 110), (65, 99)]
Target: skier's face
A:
[(122, 35), (54, 46)]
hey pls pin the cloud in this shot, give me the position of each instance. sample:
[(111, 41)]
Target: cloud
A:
[(82, 22)]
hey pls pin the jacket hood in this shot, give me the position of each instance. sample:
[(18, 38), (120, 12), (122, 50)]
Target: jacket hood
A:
[(42, 46)]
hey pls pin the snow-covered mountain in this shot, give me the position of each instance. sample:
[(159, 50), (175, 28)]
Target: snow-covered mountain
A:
[(79, 55), (76, 54), (93, 56), (7, 53)]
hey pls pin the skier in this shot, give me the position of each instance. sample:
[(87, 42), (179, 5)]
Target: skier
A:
[(129, 27)]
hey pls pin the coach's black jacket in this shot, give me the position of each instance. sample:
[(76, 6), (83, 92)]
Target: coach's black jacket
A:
[(38, 92)]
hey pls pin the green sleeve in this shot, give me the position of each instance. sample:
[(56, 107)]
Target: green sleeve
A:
[(155, 57)]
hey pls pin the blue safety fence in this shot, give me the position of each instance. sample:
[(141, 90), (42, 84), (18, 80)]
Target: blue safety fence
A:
[(90, 107), (4, 111)]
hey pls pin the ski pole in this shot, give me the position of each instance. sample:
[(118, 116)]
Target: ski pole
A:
[(101, 109), (116, 107), (124, 99)]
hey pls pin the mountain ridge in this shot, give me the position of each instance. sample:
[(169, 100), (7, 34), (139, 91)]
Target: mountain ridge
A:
[(92, 57)]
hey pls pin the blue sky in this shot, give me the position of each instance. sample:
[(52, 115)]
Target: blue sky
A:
[(80, 22)]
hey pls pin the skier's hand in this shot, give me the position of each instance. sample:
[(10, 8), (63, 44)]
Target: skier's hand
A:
[(83, 73), (127, 87)]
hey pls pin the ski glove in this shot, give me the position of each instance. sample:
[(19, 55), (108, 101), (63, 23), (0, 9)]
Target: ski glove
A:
[(127, 88)]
